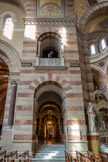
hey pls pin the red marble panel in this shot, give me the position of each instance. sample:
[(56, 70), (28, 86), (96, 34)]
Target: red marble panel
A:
[(24, 82), (90, 90), (74, 95), (42, 78), (24, 108), (72, 42), (74, 108), (71, 51), (22, 137), (64, 82), (29, 51), (25, 95), (72, 61), (75, 122), (29, 42), (75, 71), (23, 122), (75, 82), (31, 87)]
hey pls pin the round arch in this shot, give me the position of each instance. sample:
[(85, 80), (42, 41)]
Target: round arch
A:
[(10, 56), (49, 41), (20, 3), (89, 13), (42, 80), (98, 69), (47, 94)]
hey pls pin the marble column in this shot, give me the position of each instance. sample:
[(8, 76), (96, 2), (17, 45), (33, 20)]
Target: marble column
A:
[(12, 103), (37, 130), (61, 123)]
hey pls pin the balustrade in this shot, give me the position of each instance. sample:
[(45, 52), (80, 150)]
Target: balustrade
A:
[(50, 61)]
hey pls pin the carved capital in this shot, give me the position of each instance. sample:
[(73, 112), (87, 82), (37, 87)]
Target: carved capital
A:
[(14, 83), (57, 21)]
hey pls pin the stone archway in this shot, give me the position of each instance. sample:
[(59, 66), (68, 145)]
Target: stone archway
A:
[(88, 14), (62, 85), (49, 111), (9, 55)]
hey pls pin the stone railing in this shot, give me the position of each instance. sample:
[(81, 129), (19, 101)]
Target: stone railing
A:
[(51, 63)]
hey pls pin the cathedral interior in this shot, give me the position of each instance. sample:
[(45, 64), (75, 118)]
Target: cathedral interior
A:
[(54, 74)]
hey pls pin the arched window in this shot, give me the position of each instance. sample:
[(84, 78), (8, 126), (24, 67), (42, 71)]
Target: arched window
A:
[(49, 45), (103, 44), (8, 27), (92, 49), (49, 51)]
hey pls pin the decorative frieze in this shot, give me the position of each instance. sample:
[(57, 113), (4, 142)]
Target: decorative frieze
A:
[(41, 21)]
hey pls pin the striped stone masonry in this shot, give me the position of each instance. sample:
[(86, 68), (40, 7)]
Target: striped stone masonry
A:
[(74, 81)]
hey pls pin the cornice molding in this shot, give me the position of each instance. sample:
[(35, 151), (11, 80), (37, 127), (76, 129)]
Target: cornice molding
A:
[(50, 67), (49, 21)]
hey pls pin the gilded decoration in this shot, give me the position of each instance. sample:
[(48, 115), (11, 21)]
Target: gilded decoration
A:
[(80, 7), (101, 64), (43, 2), (50, 10)]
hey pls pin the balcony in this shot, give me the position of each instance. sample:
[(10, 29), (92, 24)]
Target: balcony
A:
[(50, 63)]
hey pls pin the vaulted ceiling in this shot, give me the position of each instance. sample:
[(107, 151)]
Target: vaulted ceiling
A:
[(20, 3), (92, 2)]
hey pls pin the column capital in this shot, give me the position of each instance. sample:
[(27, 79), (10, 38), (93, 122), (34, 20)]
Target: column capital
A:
[(14, 83)]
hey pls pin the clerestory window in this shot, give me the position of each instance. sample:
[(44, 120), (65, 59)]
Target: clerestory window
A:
[(103, 44), (8, 27), (92, 49)]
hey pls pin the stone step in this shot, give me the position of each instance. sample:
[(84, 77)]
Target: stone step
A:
[(51, 160), (50, 150), (50, 153)]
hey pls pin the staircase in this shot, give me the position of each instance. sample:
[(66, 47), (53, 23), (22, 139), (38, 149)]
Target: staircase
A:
[(50, 153)]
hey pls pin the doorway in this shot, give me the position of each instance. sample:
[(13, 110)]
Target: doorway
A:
[(49, 114)]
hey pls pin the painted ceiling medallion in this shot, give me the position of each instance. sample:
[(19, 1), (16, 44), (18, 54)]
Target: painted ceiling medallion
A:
[(50, 10)]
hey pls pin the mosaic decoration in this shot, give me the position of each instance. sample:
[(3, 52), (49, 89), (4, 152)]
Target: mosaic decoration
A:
[(101, 64), (57, 2), (104, 24), (50, 10), (80, 6)]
